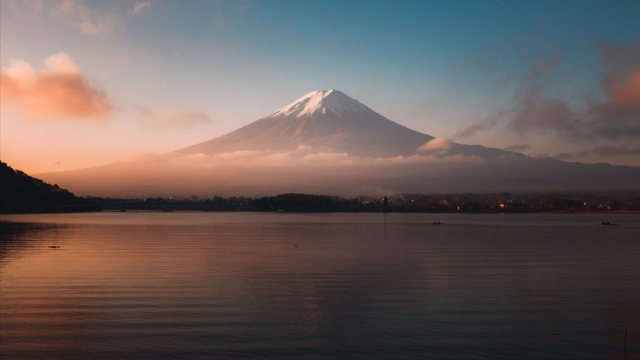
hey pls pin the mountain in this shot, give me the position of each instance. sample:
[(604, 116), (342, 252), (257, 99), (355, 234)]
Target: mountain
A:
[(328, 143), (21, 193), (329, 121)]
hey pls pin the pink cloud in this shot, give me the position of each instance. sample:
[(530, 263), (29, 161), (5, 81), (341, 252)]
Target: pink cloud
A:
[(615, 116), (624, 90), (138, 9), (168, 116), (442, 143), (59, 90)]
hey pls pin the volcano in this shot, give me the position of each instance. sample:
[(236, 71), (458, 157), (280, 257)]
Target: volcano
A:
[(326, 142), (330, 121)]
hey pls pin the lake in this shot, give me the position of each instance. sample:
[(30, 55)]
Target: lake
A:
[(196, 285)]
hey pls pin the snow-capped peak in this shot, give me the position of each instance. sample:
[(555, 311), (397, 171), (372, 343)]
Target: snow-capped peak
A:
[(323, 102)]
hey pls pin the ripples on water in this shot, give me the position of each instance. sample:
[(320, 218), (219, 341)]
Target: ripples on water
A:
[(226, 285)]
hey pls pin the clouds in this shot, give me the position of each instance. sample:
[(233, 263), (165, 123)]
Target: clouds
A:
[(140, 7), (253, 173), (614, 151), (619, 115), (542, 67), (543, 114), (442, 143), (624, 91), (59, 90), (475, 128), (601, 151), (304, 157), (261, 167), (91, 22), (518, 147), (622, 83), (562, 156), (541, 108), (168, 116), (614, 115)]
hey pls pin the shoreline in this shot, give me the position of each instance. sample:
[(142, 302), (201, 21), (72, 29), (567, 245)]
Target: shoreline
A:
[(614, 212), (620, 212)]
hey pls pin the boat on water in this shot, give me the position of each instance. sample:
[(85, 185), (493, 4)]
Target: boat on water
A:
[(609, 224)]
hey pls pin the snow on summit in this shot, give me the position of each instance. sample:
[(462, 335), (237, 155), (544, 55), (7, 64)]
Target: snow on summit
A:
[(323, 102)]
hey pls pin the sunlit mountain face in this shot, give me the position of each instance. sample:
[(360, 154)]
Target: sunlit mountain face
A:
[(330, 121), (326, 142)]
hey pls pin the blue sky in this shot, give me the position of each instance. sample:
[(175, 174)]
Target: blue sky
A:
[(437, 67)]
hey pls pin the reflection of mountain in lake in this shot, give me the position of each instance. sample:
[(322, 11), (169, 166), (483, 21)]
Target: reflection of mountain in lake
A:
[(327, 142)]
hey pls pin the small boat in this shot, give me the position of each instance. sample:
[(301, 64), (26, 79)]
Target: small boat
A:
[(54, 247), (123, 210), (437, 223), (609, 224)]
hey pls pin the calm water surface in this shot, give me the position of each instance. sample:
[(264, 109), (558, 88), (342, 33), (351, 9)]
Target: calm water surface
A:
[(191, 285)]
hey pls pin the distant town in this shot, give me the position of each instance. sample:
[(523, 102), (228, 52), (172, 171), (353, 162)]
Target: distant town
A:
[(433, 203), (21, 193)]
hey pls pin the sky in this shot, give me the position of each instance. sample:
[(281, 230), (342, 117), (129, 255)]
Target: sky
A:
[(87, 83)]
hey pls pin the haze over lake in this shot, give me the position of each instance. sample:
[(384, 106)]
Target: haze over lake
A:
[(193, 285)]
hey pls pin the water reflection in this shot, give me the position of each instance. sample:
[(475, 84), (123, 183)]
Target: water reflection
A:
[(22, 238), (354, 287)]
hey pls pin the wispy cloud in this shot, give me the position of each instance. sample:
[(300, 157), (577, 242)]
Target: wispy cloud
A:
[(168, 116), (91, 22), (614, 151), (140, 7), (372, 77), (475, 128), (542, 67), (603, 151), (617, 116), (563, 156), (59, 90), (535, 112), (518, 147), (243, 7)]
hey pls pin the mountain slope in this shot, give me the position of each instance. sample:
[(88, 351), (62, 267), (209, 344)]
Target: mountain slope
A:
[(327, 142), (21, 193), (326, 120)]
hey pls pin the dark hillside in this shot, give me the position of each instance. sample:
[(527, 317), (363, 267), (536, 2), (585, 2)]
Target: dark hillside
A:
[(21, 193)]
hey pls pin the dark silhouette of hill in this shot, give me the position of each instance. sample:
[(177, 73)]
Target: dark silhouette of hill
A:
[(21, 193)]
